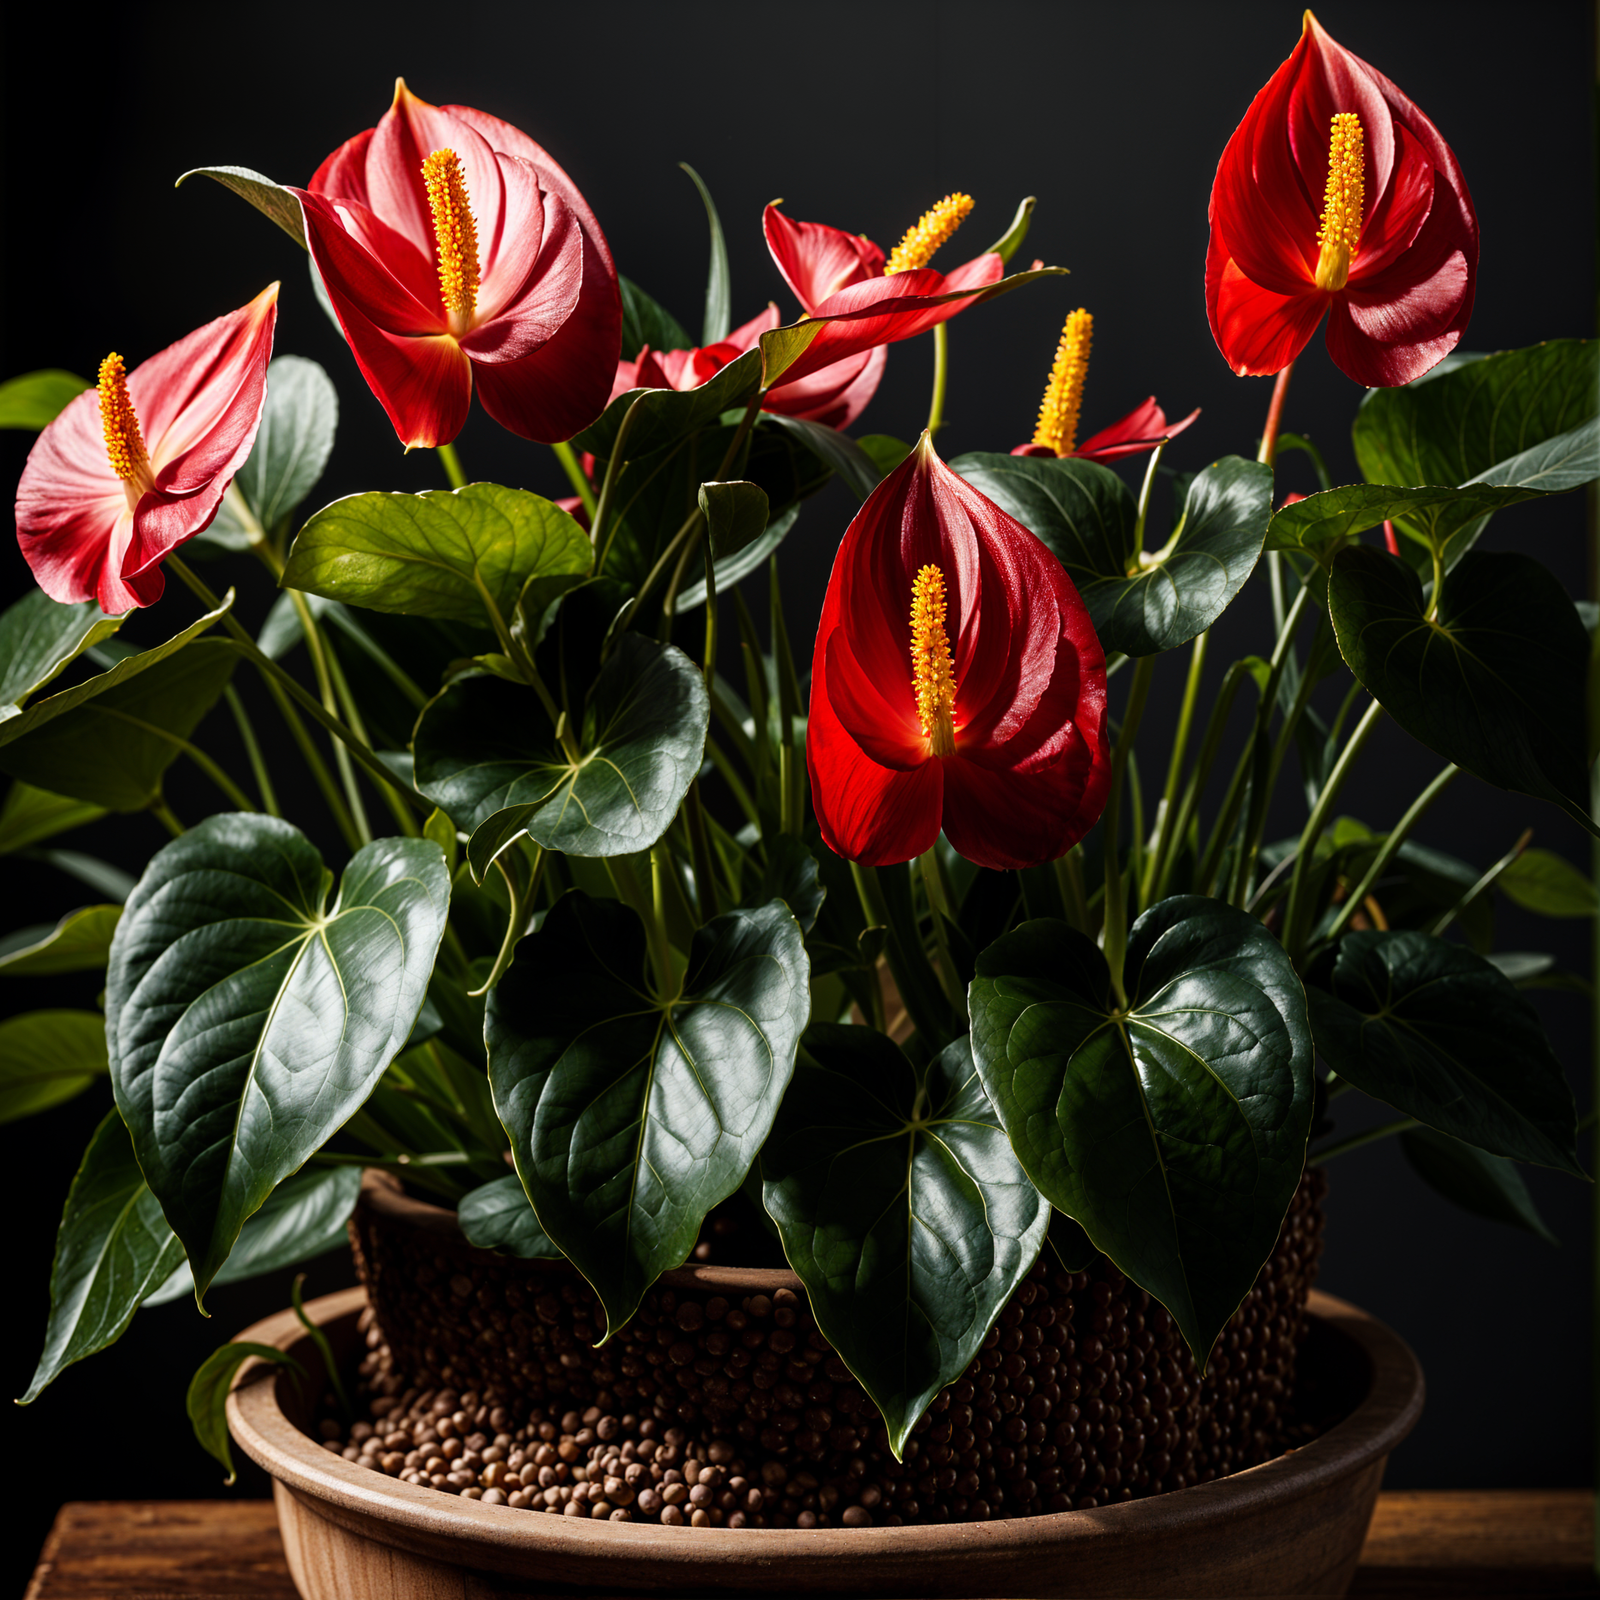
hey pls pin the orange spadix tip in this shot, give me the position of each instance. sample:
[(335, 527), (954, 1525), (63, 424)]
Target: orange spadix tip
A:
[(124, 442), (932, 669), (930, 231), (1340, 233), (1063, 396), (454, 231)]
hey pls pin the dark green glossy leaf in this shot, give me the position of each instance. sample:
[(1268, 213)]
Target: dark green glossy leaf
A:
[(1548, 884), (445, 553), (248, 1018), (1334, 515), (488, 756), (719, 289), (292, 447), (497, 1216), (667, 415), (80, 942), (1140, 603), (837, 451), (271, 199), (38, 637), (208, 1394), (35, 399), (1486, 1185), (108, 741), (630, 1116), (1495, 682), (47, 1057), (1010, 241), (902, 1208), (1439, 1034), (741, 564), (113, 1247), (1174, 1134), (31, 815), (884, 451), (646, 322), (303, 1218), (736, 516), (789, 873), (1484, 420)]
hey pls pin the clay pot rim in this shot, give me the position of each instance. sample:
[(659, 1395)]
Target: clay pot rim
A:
[(499, 1537)]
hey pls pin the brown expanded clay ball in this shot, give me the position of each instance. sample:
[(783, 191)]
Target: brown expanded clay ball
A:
[(717, 1412)]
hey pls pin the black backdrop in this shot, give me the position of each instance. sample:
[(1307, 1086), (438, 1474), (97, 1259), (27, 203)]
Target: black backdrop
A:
[(860, 116)]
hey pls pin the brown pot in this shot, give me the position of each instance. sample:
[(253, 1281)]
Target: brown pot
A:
[(1293, 1525)]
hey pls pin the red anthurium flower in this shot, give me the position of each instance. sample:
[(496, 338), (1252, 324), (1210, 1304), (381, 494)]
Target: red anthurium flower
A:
[(1142, 429), (836, 396), (454, 249), (132, 469), (1337, 194), (957, 683), (864, 300)]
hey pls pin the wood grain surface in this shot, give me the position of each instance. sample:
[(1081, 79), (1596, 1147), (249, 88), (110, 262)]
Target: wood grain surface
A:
[(1479, 1544)]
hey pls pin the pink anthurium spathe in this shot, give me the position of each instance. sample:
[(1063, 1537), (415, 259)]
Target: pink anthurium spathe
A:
[(456, 252), (835, 396), (131, 469)]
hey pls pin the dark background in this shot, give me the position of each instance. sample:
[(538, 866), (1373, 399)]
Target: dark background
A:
[(861, 117)]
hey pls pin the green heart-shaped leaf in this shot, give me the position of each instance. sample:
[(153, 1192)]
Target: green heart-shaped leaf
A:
[(631, 1116), (1173, 1131), (35, 399), (248, 1019), (47, 1057), (1487, 1186), (1549, 885), (1440, 1034), (487, 755), (667, 415), (292, 447), (38, 637), (646, 322), (1140, 603), (303, 1218), (110, 740), (497, 1216), (271, 199), (80, 942), (1482, 420), (1494, 682), (902, 1208), (735, 513), (1336, 515), (31, 815), (113, 1247), (445, 553), (789, 873)]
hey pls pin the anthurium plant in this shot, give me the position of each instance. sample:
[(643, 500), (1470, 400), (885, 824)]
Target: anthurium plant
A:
[(863, 922)]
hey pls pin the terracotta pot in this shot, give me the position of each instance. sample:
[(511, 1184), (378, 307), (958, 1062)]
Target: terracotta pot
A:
[(1293, 1525)]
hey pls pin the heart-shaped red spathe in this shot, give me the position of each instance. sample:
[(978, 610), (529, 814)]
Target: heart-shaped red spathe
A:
[(1028, 774)]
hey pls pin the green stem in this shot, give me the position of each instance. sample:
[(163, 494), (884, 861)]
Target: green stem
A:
[(1356, 1140), (1438, 929), (308, 702), (705, 880), (163, 813), (723, 762), (1210, 745), (1069, 882), (661, 946), (938, 914), (252, 749), (1180, 745), (1391, 848), (1115, 939), (318, 650), (330, 1367), (313, 760), (919, 989), (451, 462), (1293, 936), (404, 819), (600, 517), (1144, 507), (576, 476), (521, 895), (941, 376)]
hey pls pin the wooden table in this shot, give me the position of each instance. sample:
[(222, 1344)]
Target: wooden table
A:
[(1504, 1543)]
